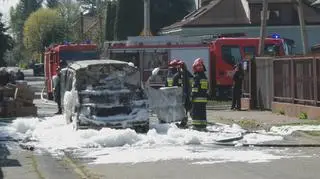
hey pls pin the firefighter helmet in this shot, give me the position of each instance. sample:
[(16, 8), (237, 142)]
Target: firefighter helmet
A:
[(173, 63), (199, 60), (198, 65), (180, 63)]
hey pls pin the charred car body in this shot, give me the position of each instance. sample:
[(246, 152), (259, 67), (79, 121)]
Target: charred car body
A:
[(104, 93)]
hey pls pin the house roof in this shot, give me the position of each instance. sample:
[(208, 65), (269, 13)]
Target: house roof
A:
[(231, 13), (272, 1), (316, 3), (215, 13), (86, 63)]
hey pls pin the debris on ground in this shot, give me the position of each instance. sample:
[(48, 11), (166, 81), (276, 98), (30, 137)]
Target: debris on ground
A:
[(17, 100)]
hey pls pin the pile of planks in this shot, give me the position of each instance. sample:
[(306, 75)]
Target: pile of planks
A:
[(16, 100)]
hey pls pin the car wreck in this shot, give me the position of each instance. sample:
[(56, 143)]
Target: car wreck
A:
[(104, 93)]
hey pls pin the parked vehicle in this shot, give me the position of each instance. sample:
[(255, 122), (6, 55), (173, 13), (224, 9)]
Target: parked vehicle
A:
[(38, 69), (64, 55), (220, 54), (104, 93)]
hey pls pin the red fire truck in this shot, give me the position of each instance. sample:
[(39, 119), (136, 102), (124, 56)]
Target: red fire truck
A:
[(63, 55), (219, 53)]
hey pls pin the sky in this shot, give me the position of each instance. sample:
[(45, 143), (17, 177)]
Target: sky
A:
[(5, 7)]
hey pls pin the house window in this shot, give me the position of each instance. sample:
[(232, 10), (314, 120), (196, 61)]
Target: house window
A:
[(273, 16)]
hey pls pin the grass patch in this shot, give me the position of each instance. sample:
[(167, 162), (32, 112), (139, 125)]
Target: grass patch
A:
[(248, 124), (306, 122), (215, 102), (312, 133), (303, 115), (35, 166), (281, 112)]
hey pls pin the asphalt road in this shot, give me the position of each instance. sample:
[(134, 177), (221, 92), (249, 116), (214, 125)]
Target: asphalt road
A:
[(18, 163), (27, 164), (295, 168)]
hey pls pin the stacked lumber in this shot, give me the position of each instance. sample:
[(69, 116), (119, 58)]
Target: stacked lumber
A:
[(17, 100)]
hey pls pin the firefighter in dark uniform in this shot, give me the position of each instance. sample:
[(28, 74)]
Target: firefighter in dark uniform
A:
[(57, 90), (199, 95), (237, 85), (185, 79), (172, 71)]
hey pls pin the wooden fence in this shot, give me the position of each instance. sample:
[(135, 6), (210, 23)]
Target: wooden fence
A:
[(284, 79)]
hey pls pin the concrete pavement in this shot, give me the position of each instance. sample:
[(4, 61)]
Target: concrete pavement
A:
[(292, 168)]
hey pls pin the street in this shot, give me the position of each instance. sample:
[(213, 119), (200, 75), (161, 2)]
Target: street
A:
[(164, 152)]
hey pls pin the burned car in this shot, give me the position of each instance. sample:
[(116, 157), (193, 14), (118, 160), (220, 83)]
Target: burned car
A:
[(104, 93)]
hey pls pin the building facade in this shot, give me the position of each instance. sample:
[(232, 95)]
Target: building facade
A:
[(230, 16)]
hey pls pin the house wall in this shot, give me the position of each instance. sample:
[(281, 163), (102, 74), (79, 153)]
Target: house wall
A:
[(290, 32)]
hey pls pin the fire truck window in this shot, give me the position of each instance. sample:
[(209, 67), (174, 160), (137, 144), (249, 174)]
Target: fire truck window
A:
[(249, 52), (272, 50), (231, 54)]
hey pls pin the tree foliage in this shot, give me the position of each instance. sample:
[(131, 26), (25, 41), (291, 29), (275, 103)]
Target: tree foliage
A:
[(129, 18), (18, 16), (110, 20), (43, 28), (70, 11), (167, 12), (52, 3), (6, 41), (130, 13)]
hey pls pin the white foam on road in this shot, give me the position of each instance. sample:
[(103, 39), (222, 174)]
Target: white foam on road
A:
[(162, 142), (287, 130)]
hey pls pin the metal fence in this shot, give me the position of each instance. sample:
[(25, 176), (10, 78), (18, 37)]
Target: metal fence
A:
[(296, 80)]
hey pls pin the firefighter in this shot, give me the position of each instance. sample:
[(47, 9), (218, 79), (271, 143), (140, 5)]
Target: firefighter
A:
[(199, 95), (19, 75), (172, 70), (236, 88), (57, 90), (185, 81)]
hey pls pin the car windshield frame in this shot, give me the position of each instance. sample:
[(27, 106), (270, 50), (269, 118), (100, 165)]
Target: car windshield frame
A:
[(91, 77)]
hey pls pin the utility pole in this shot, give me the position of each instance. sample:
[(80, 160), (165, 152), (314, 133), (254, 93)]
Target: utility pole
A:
[(146, 30), (81, 27), (304, 37), (263, 27)]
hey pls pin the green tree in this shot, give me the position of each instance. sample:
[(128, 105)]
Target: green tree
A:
[(129, 16), (70, 11), (43, 28), (52, 3), (6, 41), (167, 12), (129, 19), (110, 20), (18, 16)]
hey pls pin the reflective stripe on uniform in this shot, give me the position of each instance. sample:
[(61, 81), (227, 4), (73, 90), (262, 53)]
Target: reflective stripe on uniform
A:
[(195, 90), (170, 82), (200, 100), (204, 84), (191, 82), (199, 122)]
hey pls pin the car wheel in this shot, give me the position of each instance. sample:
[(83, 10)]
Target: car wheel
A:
[(143, 128)]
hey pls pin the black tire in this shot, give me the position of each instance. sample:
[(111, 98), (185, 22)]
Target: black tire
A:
[(142, 129)]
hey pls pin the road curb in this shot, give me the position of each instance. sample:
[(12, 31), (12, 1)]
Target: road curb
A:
[(270, 145), (75, 167)]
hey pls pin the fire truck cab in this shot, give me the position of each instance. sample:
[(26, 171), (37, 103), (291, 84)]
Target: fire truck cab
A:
[(220, 54), (63, 55)]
